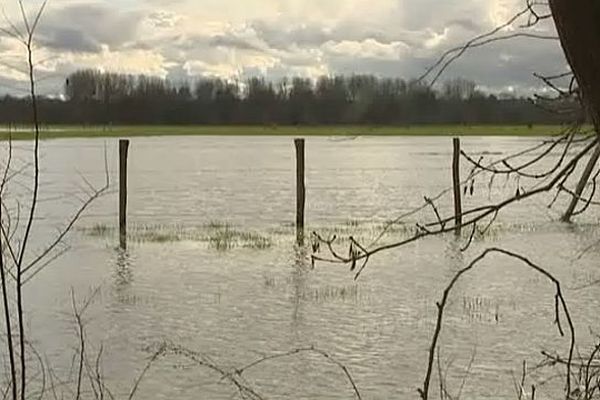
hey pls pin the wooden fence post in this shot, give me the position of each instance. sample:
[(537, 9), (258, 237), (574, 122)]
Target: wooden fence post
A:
[(456, 184), (123, 154), (300, 191)]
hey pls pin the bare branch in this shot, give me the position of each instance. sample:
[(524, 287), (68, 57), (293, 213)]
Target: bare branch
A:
[(453, 54), (476, 215), (424, 391), (311, 349)]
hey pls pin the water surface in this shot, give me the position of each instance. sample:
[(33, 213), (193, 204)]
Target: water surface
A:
[(237, 304)]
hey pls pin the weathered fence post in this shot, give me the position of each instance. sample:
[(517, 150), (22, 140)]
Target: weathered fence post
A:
[(123, 154), (456, 183), (300, 191)]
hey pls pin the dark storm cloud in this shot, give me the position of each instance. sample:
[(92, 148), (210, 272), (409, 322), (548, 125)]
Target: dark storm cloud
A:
[(495, 67), (69, 39), (231, 41), (12, 87), (283, 37), (86, 28), (287, 37)]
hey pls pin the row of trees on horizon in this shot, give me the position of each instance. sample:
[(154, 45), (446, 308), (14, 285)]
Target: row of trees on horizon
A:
[(97, 98)]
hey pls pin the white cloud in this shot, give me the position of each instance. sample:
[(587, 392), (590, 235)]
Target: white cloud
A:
[(180, 38), (437, 39), (368, 48)]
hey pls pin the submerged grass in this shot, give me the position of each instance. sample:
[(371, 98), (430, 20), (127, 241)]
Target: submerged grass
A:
[(227, 239), (332, 293), (316, 294), (99, 230), (224, 236), (218, 235)]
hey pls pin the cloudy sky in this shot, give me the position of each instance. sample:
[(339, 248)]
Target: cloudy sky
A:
[(179, 39)]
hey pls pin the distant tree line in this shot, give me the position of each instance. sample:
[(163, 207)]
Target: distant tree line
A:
[(96, 98)]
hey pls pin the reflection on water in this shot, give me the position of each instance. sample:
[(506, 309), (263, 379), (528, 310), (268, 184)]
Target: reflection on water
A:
[(234, 302), (298, 283), (123, 270)]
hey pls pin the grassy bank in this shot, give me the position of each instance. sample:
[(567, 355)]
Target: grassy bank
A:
[(56, 132)]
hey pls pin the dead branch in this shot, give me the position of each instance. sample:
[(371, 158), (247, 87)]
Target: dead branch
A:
[(157, 354), (235, 376), (488, 168), (424, 391), (520, 169), (474, 216), (313, 350)]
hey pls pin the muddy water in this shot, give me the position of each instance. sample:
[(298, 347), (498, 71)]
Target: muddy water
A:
[(257, 294)]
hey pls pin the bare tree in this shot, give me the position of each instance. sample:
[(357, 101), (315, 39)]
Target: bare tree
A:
[(18, 265)]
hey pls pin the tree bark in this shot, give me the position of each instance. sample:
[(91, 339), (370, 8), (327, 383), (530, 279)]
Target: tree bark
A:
[(578, 26)]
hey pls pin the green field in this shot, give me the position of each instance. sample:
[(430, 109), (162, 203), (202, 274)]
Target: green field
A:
[(56, 132)]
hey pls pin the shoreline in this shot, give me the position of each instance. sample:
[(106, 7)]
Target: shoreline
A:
[(71, 131)]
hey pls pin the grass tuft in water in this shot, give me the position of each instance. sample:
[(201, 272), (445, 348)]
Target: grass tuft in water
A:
[(99, 230), (218, 235), (229, 238), (218, 225), (333, 293)]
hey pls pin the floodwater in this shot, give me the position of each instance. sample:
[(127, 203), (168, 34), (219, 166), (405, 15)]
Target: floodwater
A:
[(236, 297)]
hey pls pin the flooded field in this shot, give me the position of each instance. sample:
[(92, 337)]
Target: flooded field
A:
[(212, 266)]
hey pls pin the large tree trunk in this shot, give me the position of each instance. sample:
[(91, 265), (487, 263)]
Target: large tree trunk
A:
[(578, 26)]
